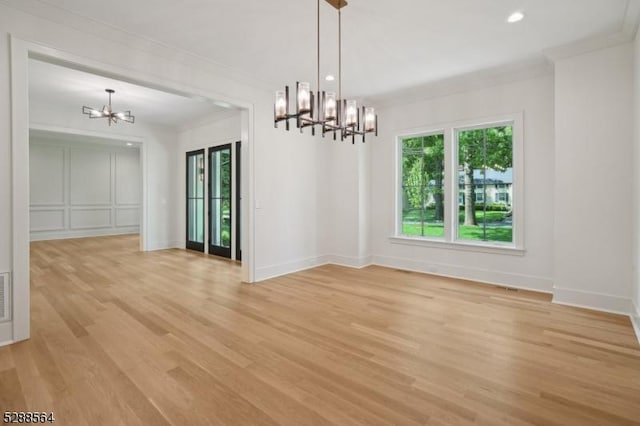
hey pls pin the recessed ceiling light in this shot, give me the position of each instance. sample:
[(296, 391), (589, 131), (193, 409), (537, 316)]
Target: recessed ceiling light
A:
[(330, 77), (129, 144), (515, 17)]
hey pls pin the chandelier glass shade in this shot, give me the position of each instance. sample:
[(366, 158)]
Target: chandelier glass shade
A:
[(108, 113), (328, 110)]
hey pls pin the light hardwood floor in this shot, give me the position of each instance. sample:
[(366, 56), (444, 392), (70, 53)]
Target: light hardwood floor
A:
[(173, 337)]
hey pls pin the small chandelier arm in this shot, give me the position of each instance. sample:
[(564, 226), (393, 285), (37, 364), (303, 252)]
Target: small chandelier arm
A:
[(326, 109), (108, 113)]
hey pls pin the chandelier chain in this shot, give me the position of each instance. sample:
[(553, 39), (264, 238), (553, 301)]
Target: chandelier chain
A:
[(340, 55)]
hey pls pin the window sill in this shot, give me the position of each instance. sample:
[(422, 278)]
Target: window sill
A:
[(458, 245)]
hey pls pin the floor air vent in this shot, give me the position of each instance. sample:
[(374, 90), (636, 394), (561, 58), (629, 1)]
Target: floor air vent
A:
[(4, 298)]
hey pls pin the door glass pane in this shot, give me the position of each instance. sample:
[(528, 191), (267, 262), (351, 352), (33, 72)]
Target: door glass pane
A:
[(215, 224), (195, 198), (195, 222), (191, 162), (225, 223), (220, 218)]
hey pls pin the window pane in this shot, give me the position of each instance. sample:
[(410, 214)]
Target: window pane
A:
[(485, 180), (195, 198), (220, 214), (225, 166), (195, 220), (195, 180), (423, 186), (225, 225)]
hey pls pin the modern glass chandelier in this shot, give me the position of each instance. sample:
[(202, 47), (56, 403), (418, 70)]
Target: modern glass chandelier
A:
[(108, 113), (326, 109)]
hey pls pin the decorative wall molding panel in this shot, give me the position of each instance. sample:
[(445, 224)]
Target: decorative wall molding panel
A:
[(82, 190)]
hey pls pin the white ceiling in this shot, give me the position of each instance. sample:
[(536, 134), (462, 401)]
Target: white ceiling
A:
[(387, 45), (68, 89)]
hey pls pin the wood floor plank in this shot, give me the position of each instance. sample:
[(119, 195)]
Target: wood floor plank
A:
[(174, 338), (11, 392), (126, 388)]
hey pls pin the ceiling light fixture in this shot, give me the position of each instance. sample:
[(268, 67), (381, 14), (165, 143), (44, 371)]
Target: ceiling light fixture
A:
[(330, 78), (108, 113), (326, 109), (515, 17)]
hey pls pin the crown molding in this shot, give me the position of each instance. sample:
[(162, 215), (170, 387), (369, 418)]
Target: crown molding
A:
[(495, 76), (587, 45), (625, 34)]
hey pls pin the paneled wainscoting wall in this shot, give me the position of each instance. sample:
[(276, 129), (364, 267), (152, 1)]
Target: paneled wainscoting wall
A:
[(83, 189)]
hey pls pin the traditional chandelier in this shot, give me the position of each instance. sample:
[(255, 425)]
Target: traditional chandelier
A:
[(108, 113), (332, 113)]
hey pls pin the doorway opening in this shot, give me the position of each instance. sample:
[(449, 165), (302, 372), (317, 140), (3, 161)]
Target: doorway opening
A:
[(158, 163)]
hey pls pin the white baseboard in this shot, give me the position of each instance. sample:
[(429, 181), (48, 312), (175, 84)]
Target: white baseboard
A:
[(525, 282), (590, 300), (349, 261), (85, 233), (274, 271), (163, 245), (506, 279), (635, 320)]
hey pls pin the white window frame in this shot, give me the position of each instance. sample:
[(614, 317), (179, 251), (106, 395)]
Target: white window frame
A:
[(450, 240)]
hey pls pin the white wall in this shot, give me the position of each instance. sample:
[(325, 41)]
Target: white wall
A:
[(593, 179), (534, 269), (290, 200), (344, 206), (82, 189), (636, 189), (6, 264)]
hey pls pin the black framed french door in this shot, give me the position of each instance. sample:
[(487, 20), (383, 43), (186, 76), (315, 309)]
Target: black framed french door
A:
[(238, 166), (220, 208), (195, 200)]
